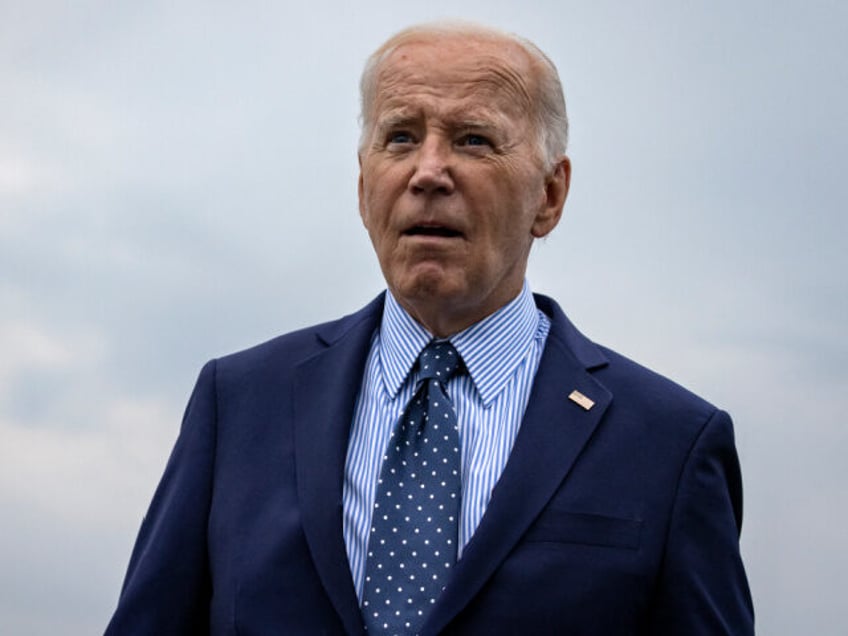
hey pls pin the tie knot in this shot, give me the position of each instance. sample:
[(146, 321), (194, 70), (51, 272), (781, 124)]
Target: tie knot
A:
[(439, 360)]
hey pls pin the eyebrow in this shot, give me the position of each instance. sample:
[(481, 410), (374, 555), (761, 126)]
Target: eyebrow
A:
[(475, 124), (403, 118), (397, 119)]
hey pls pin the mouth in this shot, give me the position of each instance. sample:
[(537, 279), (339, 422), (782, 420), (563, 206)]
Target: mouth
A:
[(441, 231)]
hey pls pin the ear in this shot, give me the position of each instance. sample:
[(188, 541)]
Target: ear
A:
[(361, 189), (556, 190)]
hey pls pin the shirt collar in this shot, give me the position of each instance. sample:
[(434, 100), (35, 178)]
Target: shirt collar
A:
[(491, 349), (401, 341)]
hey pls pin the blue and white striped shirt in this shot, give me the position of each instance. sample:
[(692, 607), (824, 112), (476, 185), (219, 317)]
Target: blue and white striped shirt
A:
[(501, 354)]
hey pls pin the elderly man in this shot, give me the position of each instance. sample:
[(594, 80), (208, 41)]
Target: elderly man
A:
[(455, 457)]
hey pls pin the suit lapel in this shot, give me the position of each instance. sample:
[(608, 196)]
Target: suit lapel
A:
[(553, 433), (326, 386)]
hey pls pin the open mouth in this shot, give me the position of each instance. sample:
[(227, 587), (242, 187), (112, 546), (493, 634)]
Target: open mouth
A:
[(432, 230)]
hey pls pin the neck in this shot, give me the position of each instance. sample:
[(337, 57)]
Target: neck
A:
[(443, 320)]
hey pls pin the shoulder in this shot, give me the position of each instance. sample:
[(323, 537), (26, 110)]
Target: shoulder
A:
[(655, 399), (286, 351)]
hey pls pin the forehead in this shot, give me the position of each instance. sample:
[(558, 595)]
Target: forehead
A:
[(494, 74)]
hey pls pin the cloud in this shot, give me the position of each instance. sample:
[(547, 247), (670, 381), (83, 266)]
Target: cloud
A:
[(177, 182)]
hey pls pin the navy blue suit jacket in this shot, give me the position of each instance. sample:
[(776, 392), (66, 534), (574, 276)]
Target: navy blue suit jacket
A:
[(620, 519)]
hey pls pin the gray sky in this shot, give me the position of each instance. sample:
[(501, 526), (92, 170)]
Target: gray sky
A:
[(179, 183)]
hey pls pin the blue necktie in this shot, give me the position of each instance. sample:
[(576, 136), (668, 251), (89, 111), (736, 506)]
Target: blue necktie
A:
[(412, 544)]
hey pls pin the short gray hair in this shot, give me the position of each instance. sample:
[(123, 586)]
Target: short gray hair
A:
[(550, 114)]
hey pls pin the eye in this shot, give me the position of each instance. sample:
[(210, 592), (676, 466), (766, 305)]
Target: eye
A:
[(399, 137), (474, 140)]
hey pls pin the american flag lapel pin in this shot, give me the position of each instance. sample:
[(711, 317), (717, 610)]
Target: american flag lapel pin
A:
[(578, 398)]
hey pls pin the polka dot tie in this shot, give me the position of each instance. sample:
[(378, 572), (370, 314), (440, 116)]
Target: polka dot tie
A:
[(412, 544)]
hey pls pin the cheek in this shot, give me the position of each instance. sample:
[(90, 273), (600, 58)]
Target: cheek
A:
[(379, 197), (372, 208)]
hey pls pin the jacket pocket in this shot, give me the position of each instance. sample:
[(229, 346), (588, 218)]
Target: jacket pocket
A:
[(559, 526)]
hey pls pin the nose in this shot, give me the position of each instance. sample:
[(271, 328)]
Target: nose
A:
[(432, 173)]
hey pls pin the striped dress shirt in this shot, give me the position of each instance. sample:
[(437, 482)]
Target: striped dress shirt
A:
[(501, 354)]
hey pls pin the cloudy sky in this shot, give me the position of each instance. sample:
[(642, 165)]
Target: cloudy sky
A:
[(179, 182)]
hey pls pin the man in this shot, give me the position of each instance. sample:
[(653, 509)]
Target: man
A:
[(568, 490)]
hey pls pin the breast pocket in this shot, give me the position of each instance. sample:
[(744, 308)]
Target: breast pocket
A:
[(560, 526)]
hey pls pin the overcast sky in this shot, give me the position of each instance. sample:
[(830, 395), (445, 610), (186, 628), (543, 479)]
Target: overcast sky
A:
[(180, 183)]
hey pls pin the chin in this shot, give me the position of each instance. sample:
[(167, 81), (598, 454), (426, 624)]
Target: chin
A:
[(433, 290), (432, 284)]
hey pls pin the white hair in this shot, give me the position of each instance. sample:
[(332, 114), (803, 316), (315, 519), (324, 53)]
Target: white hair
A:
[(551, 119)]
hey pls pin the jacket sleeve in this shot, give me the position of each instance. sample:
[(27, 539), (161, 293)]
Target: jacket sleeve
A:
[(702, 588), (167, 585)]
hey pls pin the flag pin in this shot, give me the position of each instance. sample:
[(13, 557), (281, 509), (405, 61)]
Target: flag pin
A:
[(578, 398)]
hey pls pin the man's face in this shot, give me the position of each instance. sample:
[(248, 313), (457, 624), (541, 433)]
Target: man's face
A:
[(452, 186)]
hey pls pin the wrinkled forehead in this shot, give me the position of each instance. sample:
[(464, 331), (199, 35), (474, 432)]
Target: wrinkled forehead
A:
[(450, 67)]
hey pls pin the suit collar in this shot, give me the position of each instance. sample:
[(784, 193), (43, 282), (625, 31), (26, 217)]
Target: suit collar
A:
[(587, 353), (369, 316)]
